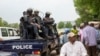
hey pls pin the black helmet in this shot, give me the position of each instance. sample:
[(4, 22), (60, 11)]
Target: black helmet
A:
[(36, 11), (29, 10), (24, 12), (48, 13)]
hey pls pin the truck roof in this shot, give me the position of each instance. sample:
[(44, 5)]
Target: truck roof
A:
[(8, 27)]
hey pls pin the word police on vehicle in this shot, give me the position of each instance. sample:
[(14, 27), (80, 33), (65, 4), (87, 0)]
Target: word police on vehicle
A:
[(22, 47)]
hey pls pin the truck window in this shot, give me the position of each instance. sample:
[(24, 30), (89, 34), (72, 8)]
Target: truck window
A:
[(10, 31), (15, 33), (4, 32)]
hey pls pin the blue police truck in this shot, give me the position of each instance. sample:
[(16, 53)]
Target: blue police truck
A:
[(25, 47)]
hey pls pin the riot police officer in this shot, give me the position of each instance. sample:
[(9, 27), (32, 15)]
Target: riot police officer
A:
[(39, 22), (37, 17), (48, 23), (30, 25), (22, 26)]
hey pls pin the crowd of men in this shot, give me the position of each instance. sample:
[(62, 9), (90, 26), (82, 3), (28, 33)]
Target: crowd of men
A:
[(81, 42), (32, 26)]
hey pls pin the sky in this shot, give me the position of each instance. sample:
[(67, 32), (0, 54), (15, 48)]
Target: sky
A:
[(61, 10)]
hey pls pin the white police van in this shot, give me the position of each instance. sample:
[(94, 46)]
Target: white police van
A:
[(8, 33)]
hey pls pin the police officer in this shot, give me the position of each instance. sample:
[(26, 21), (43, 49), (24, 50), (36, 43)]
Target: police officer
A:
[(40, 24), (30, 24), (48, 23), (37, 17), (22, 26)]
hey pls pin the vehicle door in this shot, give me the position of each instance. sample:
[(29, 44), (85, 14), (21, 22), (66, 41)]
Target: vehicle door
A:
[(12, 34), (4, 34)]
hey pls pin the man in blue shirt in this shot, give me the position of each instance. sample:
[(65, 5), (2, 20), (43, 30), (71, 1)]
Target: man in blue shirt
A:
[(64, 38)]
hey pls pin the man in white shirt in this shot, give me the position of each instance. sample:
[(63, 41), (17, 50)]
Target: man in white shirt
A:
[(73, 47)]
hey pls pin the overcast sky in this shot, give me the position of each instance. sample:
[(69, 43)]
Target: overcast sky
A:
[(62, 10)]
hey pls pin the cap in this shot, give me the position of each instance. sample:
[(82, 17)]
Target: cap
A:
[(71, 34), (82, 24)]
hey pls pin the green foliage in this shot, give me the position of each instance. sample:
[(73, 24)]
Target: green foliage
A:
[(87, 9), (78, 21), (14, 25), (4, 23), (68, 24), (1, 22), (61, 25)]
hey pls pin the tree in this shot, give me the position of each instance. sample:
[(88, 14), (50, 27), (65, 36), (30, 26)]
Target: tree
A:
[(68, 24), (5, 23), (14, 25), (1, 22), (88, 9), (61, 25), (78, 21)]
